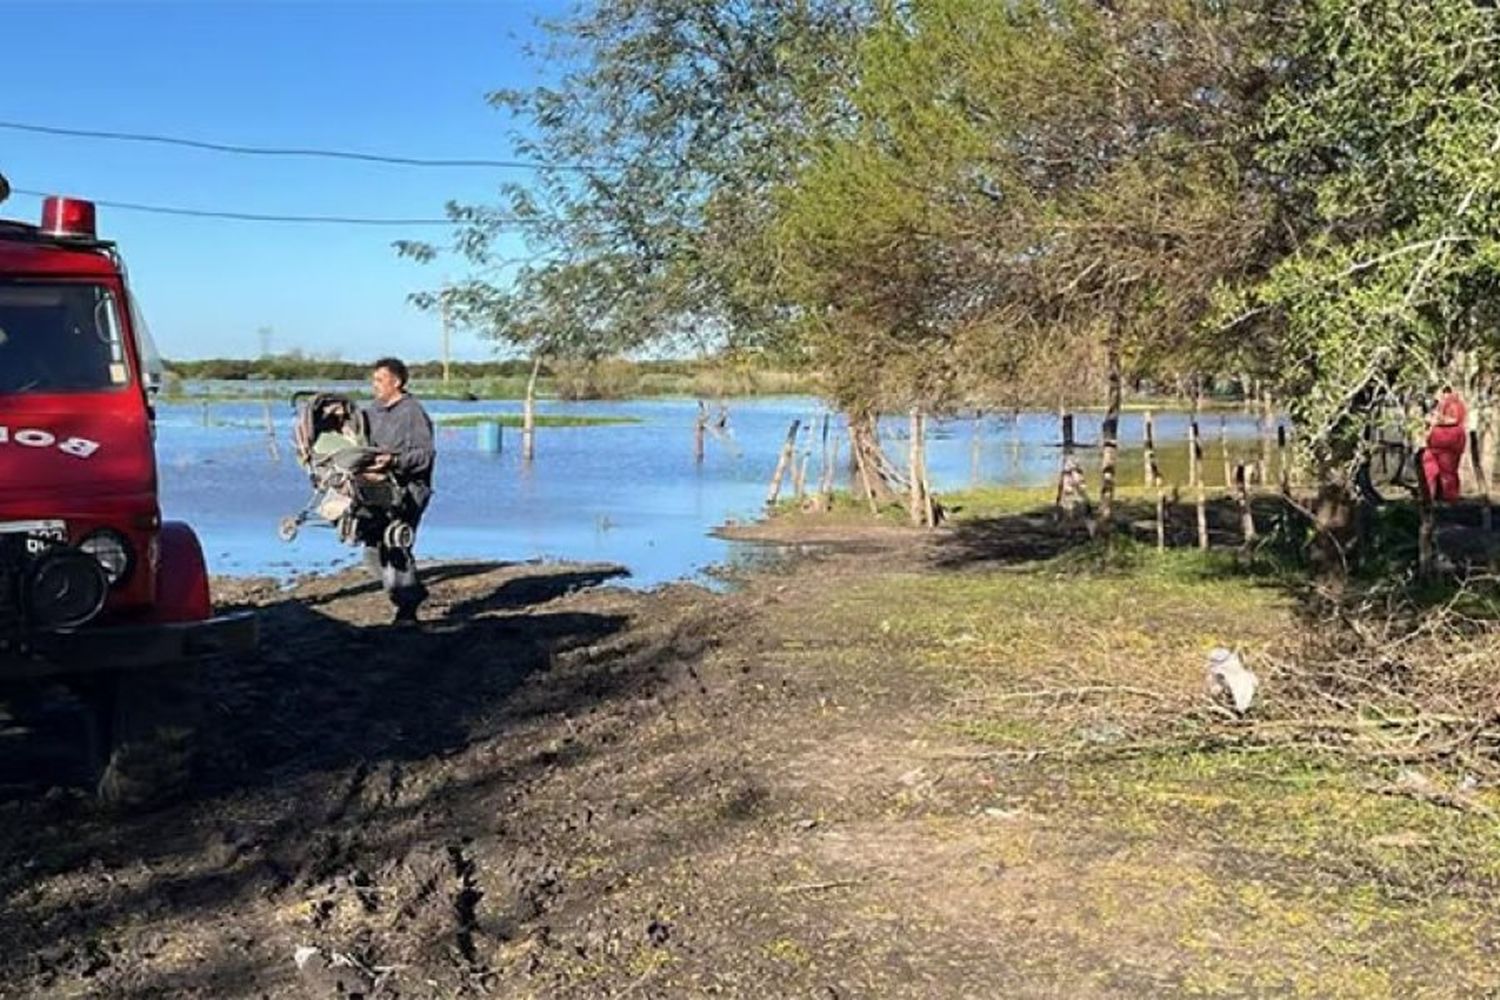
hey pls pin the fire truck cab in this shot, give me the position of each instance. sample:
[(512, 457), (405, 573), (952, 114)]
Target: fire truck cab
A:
[(95, 588)]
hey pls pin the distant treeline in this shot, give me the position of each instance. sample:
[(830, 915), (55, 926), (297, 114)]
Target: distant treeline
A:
[(293, 367), (608, 378)]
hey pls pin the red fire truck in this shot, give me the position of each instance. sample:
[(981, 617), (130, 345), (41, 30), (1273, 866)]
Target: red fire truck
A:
[(96, 590)]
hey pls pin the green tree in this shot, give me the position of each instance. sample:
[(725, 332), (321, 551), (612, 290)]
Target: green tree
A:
[(670, 123), (1386, 139), (668, 126), (1026, 193)]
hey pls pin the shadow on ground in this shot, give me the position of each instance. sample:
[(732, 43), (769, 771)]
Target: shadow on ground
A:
[(996, 541), (337, 716)]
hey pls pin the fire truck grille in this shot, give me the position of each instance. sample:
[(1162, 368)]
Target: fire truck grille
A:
[(10, 598)]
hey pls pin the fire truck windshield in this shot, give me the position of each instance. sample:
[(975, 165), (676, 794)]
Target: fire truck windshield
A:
[(59, 337)]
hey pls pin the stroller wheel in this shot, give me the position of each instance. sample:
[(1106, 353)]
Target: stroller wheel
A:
[(399, 535), (287, 529)]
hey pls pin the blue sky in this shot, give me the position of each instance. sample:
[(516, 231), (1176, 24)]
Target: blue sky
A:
[(404, 78)]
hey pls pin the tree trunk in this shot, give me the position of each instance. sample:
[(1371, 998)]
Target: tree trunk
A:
[(1470, 476), (864, 462), (1110, 433), (1335, 523), (866, 480), (528, 418), (929, 506), (1469, 471), (1426, 532), (914, 465), (869, 460)]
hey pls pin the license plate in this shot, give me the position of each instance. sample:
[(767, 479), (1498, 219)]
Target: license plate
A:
[(38, 536)]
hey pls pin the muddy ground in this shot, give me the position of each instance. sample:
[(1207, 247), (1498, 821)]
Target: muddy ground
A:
[(814, 785)]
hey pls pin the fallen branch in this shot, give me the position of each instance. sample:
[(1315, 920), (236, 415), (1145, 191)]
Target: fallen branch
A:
[(821, 886), (1425, 791), (1078, 692)]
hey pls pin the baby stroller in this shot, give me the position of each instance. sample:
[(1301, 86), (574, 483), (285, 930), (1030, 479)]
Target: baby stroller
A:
[(332, 442)]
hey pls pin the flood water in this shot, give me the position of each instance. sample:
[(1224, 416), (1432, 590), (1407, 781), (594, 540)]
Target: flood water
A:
[(628, 493)]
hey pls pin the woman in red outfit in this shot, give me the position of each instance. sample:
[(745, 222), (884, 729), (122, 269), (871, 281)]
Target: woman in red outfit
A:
[(1445, 445)]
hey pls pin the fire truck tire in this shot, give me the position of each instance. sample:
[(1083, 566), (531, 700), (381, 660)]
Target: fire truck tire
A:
[(154, 717), (48, 735)]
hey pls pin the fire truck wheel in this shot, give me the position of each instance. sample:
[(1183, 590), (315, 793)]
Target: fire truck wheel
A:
[(155, 715), (48, 735)]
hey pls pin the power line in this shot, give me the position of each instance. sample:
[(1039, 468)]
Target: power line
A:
[(342, 220), (328, 154)]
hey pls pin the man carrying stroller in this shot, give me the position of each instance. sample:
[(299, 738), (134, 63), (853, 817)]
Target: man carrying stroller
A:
[(401, 432)]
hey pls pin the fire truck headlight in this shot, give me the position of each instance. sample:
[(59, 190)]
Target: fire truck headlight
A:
[(112, 553), (64, 589)]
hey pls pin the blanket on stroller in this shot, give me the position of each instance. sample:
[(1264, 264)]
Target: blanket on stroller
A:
[(331, 438)]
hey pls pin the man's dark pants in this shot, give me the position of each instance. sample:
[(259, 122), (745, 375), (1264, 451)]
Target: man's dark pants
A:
[(397, 567)]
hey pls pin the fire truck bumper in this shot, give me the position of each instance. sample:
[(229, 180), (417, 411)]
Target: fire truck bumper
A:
[(130, 647)]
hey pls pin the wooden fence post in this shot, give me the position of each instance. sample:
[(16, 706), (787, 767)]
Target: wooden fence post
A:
[(1267, 419), (700, 428), (1224, 453), (976, 448), (1247, 516), (788, 452), (1283, 462), (1066, 419), (1487, 448), (270, 429), (1195, 466), (1149, 473)]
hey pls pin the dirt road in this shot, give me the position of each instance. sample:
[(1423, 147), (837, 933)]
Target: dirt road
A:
[(803, 788)]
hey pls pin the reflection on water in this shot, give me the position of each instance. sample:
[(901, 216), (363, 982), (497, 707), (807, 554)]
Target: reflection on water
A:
[(628, 493)]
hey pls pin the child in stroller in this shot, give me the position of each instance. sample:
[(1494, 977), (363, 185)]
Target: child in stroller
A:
[(361, 503)]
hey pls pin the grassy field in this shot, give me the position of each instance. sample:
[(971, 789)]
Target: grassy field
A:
[(1189, 868)]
